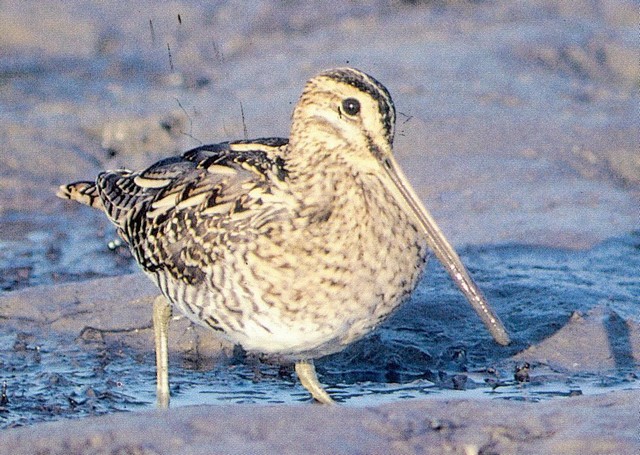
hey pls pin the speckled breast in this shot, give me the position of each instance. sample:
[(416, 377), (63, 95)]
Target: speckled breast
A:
[(315, 282)]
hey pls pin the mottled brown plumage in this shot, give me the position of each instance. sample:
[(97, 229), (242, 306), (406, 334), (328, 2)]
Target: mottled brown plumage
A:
[(293, 248)]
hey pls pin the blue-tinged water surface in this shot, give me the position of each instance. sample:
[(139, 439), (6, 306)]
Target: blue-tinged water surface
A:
[(434, 346)]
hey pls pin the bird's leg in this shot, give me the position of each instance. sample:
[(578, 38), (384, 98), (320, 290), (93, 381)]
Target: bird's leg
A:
[(307, 374), (161, 316)]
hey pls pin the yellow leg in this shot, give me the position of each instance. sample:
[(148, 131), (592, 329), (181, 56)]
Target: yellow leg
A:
[(161, 316), (307, 374)]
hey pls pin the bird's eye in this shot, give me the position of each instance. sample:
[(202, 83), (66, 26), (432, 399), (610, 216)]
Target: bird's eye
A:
[(351, 106)]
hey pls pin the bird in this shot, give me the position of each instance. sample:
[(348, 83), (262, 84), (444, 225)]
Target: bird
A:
[(290, 247)]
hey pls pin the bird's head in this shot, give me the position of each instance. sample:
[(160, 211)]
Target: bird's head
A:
[(348, 115)]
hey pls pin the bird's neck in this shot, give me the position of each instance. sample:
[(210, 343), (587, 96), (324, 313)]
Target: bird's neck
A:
[(328, 187), (315, 176)]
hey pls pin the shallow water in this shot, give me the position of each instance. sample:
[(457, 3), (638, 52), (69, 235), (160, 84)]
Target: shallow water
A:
[(434, 345), (45, 249)]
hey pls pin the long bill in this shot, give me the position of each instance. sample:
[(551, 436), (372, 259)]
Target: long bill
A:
[(443, 250)]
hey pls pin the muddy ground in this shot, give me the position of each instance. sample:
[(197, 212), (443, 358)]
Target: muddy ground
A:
[(519, 127)]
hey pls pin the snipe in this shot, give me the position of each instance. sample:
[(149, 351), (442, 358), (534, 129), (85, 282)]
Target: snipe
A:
[(289, 247)]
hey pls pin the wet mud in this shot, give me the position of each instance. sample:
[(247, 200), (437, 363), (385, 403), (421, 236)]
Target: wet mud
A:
[(517, 125), (573, 327)]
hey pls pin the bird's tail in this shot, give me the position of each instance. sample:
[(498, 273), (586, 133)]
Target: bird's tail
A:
[(83, 192)]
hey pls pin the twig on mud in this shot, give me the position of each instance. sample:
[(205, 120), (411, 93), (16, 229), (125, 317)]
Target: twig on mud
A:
[(170, 59), (190, 133), (153, 33), (244, 124)]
